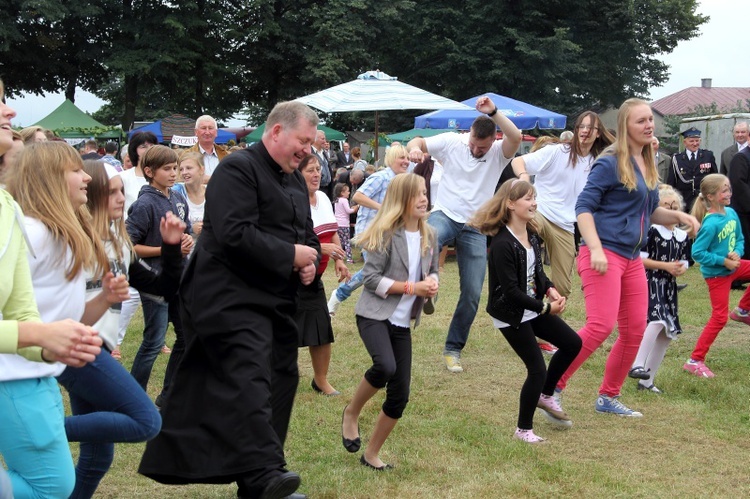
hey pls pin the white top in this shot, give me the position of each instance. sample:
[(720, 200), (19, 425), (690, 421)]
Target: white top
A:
[(557, 183), (467, 182), (132, 184), (437, 174), (195, 211), (402, 315), (530, 288), (109, 324), (322, 213), (56, 297)]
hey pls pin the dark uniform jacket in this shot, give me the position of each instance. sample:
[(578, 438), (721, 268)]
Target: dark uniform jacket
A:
[(685, 175)]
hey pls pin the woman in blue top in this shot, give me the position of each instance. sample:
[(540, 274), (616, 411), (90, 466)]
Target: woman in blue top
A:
[(614, 212)]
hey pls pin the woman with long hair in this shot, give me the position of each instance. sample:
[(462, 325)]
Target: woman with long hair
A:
[(618, 204), (400, 272), (560, 172), (32, 441), (50, 184)]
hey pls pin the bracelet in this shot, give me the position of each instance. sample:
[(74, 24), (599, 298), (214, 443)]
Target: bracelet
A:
[(493, 113), (408, 288)]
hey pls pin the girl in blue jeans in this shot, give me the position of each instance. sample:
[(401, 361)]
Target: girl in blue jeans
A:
[(32, 439), (67, 257)]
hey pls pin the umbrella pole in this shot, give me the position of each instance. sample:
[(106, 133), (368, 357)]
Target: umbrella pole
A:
[(376, 137)]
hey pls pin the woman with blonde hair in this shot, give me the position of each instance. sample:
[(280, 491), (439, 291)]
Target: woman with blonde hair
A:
[(32, 441), (51, 185), (32, 134), (618, 204)]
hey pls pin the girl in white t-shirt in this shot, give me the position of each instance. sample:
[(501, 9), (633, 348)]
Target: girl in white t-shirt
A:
[(50, 184), (560, 172), (401, 270)]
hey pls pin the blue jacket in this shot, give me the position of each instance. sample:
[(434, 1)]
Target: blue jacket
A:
[(622, 217), (719, 235), (145, 215)]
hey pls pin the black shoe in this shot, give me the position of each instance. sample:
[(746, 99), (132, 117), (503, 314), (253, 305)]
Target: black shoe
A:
[(364, 462), (316, 388), (281, 486), (680, 287), (639, 372), (738, 285), (349, 444)]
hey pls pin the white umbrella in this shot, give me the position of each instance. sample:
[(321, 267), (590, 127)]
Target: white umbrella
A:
[(376, 91)]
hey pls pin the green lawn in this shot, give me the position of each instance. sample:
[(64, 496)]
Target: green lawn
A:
[(455, 437)]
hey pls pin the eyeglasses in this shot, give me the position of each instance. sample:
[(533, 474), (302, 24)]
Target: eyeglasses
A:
[(672, 206), (588, 127)]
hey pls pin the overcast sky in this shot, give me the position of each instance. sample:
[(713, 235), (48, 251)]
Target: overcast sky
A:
[(717, 53)]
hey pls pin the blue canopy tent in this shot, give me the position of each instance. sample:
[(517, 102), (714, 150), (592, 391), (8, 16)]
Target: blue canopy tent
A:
[(524, 116), (156, 128)]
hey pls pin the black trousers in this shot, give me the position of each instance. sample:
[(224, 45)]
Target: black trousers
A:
[(389, 347), (539, 380)]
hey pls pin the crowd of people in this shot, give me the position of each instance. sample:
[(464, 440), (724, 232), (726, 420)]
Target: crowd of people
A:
[(231, 248)]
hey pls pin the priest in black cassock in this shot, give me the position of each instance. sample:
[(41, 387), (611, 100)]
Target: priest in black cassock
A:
[(227, 412)]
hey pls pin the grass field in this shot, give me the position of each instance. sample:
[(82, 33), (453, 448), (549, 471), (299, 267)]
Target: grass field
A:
[(455, 437)]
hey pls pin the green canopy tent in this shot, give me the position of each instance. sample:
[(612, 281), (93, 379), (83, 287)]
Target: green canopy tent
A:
[(69, 122), (331, 134)]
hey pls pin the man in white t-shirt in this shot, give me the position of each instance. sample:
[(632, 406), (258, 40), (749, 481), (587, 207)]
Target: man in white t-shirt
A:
[(472, 164)]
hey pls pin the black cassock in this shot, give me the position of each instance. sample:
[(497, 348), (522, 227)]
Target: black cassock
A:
[(227, 411)]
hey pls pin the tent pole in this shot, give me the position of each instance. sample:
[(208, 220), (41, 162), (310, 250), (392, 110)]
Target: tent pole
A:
[(376, 137)]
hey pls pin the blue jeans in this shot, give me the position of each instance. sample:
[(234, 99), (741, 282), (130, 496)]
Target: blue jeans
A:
[(346, 289), (108, 406), (155, 322), (471, 254), (32, 439)]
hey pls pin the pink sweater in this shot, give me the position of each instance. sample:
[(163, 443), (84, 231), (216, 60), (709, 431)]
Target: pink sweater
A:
[(342, 210)]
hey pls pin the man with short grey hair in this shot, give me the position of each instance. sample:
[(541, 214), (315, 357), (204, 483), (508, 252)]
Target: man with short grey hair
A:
[(206, 131), (740, 132)]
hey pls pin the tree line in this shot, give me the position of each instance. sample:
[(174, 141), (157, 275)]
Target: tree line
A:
[(151, 58)]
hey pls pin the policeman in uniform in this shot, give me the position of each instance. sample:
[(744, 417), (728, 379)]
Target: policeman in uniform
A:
[(690, 167)]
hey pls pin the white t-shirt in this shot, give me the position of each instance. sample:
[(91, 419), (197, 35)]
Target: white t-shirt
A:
[(56, 297), (109, 324), (132, 184), (467, 182), (557, 183), (402, 315), (437, 174)]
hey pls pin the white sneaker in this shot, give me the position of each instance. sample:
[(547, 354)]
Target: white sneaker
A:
[(333, 303)]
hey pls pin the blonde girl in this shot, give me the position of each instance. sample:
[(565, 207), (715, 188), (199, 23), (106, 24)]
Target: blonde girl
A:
[(401, 270), (518, 288), (51, 185), (33, 444), (717, 248), (665, 258), (192, 171)]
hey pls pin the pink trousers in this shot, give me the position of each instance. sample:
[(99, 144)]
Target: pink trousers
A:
[(619, 296)]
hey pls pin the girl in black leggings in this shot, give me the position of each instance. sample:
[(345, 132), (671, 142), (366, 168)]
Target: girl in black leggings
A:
[(518, 286)]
